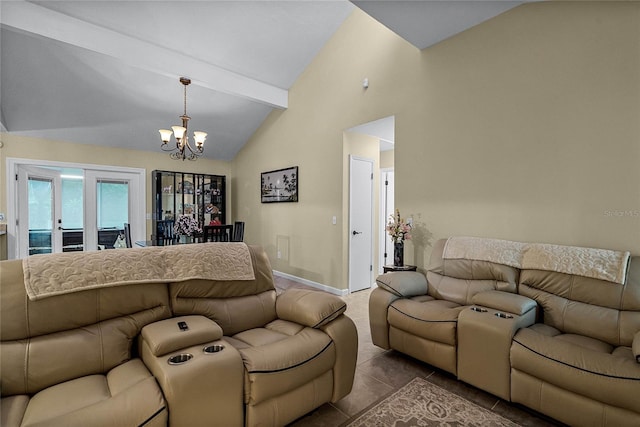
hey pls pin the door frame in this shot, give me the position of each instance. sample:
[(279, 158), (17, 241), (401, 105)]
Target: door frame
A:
[(385, 211), (137, 205), (371, 213)]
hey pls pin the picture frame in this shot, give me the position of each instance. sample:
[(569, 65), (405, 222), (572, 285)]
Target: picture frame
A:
[(279, 185)]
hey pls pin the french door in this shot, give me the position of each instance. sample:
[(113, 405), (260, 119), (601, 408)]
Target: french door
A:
[(69, 207)]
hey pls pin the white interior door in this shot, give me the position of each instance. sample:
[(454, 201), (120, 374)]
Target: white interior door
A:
[(39, 224), (360, 223)]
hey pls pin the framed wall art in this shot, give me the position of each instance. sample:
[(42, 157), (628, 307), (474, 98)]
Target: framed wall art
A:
[(279, 185)]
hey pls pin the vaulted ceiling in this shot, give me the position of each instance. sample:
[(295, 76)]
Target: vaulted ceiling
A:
[(107, 72)]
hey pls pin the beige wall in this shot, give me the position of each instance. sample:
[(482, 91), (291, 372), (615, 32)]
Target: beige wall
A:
[(327, 99), (387, 159), (525, 127), (40, 149), (528, 129)]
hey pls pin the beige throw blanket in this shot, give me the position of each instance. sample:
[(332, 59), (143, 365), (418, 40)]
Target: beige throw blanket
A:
[(600, 264), (603, 264), (56, 274), (481, 249)]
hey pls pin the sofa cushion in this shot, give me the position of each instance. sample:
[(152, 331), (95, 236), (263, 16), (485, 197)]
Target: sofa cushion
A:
[(29, 366), (276, 361), (403, 283), (580, 365), (460, 291), (12, 409), (496, 276), (607, 311), (309, 308), (127, 395), (234, 314), (435, 320)]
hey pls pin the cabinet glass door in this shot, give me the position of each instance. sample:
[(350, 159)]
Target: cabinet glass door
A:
[(166, 194), (200, 196), (210, 200)]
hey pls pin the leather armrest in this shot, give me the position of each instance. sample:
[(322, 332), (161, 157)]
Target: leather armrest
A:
[(309, 308), (504, 301), (636, 346), (403, 283), (165, 336)]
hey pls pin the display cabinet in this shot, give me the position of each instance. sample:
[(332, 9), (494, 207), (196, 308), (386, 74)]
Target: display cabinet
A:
[(200, 196)]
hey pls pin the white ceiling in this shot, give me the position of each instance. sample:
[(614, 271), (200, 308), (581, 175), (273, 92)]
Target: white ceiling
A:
[(106, 72)]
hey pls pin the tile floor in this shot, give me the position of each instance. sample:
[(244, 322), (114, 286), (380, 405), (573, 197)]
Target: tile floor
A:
[(380, 372)]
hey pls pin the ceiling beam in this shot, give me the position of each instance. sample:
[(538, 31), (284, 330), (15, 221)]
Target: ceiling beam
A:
[(32, 18)]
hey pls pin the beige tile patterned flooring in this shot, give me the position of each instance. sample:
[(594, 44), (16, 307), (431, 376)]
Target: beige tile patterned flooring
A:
[(380, 372)]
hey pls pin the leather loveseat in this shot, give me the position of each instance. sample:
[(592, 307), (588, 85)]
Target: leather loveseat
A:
[(554, 328), (186, 335)]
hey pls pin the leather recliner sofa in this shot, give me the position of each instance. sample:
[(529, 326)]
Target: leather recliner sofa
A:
[(564, 343), (164, 349)]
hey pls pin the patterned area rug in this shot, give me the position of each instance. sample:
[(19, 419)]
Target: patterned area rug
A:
[(421, 403)]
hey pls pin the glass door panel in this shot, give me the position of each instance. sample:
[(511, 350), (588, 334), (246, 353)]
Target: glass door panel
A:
[(112, 209), (39, 219), (73, 211)]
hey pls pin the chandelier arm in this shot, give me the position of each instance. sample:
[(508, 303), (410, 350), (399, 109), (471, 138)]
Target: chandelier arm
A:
[(167, 147)]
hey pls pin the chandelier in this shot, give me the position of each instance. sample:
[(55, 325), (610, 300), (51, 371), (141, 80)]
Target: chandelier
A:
[(183, 150)]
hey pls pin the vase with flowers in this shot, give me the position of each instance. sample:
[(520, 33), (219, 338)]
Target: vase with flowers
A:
[(399, 230), (186, 227)]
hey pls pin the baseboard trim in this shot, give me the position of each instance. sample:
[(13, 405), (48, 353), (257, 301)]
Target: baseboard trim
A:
[(311, 283)]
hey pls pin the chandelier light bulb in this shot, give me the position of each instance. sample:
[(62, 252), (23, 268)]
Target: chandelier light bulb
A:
[(178, 132), (199, 138), (165, 135)]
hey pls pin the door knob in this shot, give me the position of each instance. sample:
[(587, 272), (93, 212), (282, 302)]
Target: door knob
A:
[(356, 232)]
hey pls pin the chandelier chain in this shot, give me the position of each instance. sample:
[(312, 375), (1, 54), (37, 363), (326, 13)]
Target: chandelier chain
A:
[(185, 100)]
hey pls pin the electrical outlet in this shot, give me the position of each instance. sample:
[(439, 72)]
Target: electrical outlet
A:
[(279, 254)]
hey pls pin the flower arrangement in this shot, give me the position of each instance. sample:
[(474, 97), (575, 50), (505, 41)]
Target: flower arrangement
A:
[(398, 228), (186, 226)]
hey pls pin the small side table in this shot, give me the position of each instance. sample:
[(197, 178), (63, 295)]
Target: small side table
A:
[(388, 268)]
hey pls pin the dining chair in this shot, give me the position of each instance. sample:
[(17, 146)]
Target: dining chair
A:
[(164, 232), (127, 234), (238, 231), (217, 233)]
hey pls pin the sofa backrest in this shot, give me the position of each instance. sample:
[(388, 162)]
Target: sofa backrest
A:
[(47, 341), (458, 280), (586, 306), (234, 305)]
